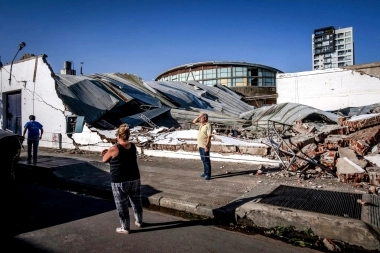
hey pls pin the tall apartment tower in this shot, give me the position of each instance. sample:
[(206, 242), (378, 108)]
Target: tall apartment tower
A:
[(332, 48)]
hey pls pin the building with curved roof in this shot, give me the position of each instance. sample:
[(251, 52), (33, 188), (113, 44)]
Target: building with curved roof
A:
[(255, 82), (230, 74)]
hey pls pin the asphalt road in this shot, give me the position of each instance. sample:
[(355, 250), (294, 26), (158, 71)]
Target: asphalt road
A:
[(43, 219)]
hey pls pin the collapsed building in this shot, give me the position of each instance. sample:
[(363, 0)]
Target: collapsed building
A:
[(82, 112)]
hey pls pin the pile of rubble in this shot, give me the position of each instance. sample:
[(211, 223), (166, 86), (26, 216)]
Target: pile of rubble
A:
[(349, 150)]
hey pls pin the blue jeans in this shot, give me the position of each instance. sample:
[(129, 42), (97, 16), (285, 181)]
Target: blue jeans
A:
[(205, 157), (33, 143)]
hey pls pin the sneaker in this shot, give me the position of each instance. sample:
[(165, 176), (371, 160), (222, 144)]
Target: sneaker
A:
[(203, 175), (122, 231), (207, 178), (138, 224)]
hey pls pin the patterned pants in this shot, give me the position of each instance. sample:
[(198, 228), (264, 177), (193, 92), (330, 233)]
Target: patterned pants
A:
[(122, 192)]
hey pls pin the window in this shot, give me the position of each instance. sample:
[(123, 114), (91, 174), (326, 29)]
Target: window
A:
[(347, 40), (325, 49), (316, 67), (209, 74), (348, 46), (252, 81), (209, 82), (327, 66), (174, 78), (255, 71), (341, 64), (327, 55), (339, 35), (325, 43), (241, 82), (316, 62), (325, 37), (340, 58), (267, 73), (197, 74), (225, 82), (341, 47), (340, 52), (268, 82), (183, 76), (327, 60), (239, 71), (224, 72), (348, 34), (339, 41)]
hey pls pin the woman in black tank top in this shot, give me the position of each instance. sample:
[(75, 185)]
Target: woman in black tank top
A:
[(125, 178)]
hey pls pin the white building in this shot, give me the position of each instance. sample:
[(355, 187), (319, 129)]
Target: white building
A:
[(332, 48), (329, 89)]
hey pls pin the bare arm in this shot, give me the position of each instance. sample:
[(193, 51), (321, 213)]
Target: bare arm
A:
[(108, 154), (42, 131), (24, 132), (208, 141), (195, 121)]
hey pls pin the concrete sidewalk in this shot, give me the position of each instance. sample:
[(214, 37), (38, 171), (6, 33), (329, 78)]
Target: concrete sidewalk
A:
[(234, 192)]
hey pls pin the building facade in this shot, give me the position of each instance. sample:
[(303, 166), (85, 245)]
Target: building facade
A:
[(331, 89), (230, 74), (332, 48)]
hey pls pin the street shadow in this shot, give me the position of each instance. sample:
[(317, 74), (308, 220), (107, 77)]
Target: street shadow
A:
[(227, 212), (148, 227), (245, 172), (232, 174), (32, 207)]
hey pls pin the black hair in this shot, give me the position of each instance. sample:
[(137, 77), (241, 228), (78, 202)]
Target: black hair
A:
[(32, 117)]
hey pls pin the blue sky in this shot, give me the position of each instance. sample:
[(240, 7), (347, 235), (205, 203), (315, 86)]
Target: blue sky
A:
[(148, 37)]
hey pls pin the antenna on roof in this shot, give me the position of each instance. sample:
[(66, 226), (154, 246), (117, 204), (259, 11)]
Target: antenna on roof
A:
[(81, 68)]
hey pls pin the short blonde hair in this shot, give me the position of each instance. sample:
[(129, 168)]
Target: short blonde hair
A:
[(123, 132)]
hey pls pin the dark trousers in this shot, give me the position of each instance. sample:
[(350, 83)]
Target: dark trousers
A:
[(33, 143), (205, 157)]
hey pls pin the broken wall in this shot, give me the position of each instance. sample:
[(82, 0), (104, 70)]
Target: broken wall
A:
[(33, 79)]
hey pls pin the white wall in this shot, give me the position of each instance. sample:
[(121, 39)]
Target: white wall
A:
[(38, 97), (329, 89)]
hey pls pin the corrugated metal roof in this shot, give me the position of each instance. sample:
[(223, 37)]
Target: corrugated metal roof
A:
[(136, 120), (130, 88), (85, 96), (287, 113), (180, 93)]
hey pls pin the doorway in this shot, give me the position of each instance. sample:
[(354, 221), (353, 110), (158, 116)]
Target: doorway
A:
[(13, 112)]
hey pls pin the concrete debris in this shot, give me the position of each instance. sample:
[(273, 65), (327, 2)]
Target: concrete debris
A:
[(348, 150)]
